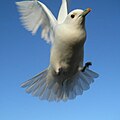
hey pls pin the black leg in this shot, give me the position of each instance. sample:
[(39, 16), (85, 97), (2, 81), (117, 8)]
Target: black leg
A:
[(86, 66)]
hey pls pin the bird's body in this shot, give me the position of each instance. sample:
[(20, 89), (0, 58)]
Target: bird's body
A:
[(64, 78), (67, 51)]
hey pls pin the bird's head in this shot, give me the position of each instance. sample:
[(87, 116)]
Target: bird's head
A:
[(77, 17)]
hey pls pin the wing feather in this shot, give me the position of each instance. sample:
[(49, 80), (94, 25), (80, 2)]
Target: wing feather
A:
[(35, 14), (63, 11)]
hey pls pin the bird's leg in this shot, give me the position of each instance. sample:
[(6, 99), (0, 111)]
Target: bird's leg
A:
[(86, 66)]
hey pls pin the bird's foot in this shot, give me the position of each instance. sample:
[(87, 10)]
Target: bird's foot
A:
[(86, 66)]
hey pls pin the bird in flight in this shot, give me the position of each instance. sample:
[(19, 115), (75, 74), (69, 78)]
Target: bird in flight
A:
[(66, 76)]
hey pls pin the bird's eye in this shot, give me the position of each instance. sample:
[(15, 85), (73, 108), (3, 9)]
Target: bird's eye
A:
[(72, 16)]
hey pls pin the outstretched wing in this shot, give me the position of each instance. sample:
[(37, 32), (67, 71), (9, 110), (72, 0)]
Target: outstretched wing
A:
[(63, 11), (35, 14)]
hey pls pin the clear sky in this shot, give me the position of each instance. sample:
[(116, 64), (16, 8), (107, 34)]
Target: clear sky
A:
[(23, 55)]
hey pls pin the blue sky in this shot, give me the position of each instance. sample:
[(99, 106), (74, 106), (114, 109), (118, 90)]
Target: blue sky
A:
[(23, 55)]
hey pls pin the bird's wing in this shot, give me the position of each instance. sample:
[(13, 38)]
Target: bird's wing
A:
[(35, 14), (63, 11)]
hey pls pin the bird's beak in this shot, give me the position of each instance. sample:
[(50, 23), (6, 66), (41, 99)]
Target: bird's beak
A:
[(85, 12)]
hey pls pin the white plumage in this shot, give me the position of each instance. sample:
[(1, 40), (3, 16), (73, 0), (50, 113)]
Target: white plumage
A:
[(35, 14), (66, 77)]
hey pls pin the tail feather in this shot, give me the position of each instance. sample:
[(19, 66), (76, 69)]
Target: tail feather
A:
[(80, 81), (34, 79), (55, 87), (38, 87), (85, 78), (33, 87), (46, 94), (51, 89), (42, 91), (77, 90), (36, 92), (84, 85), (78, 87), (51, 97), (58, 94), (72, 95), (91, 73), (38, 83)]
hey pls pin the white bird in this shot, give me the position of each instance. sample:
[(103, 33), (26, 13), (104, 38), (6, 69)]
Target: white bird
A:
[(65, 77)]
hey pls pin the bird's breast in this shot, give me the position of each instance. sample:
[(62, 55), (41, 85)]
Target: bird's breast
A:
[(67, 49)]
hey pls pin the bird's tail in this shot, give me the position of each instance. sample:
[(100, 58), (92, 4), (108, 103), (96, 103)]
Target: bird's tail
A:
[(78, 83), (51, 89), (42, 86), (37, 86)]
